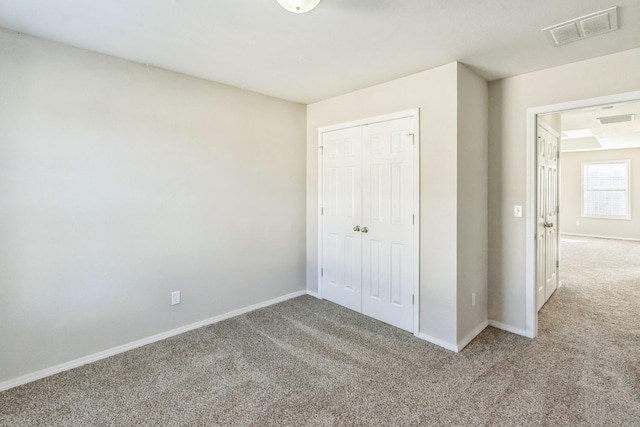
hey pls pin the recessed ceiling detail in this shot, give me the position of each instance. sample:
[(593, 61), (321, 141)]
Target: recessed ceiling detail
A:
[(584, 27), (590, 129), (577, 133)]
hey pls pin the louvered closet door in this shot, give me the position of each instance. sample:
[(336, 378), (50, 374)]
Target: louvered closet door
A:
[(387, 214), (342, 204)]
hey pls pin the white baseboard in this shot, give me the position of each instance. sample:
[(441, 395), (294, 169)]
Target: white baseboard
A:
[(508, 328), (461, 344), (471, 335), (314, 294), (5, 385), (438, 342), (599, 237)]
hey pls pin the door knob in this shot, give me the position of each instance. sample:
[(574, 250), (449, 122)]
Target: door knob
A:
[(356, 228), (548, 224), (364, 229)]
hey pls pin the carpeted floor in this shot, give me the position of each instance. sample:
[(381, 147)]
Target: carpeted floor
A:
[(310, 362)]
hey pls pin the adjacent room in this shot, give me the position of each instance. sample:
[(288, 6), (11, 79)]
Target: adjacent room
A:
[(598, 261), (598, 149), (319, 212)]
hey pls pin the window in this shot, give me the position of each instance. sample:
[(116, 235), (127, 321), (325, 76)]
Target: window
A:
[(605, 189)]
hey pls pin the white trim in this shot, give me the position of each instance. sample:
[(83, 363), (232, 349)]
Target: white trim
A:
[(412, 113), (531, 317), (437, 341), (416, 229), (531, 312), (320, 212), (508, 328), (471, 335), (5, 385), (314, 294), (600, 237)]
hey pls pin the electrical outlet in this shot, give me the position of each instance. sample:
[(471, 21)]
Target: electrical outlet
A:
[(473, 299), (517, 211), (175, 297)]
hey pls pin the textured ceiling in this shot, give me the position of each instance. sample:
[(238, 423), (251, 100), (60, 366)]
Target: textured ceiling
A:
[(340, 46)]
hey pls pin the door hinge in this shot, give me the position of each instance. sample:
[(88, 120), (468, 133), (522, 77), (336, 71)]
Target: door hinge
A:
[(321, 272), (557, 264), (321, 211), (413, 299), (413, 219), (557, 209)]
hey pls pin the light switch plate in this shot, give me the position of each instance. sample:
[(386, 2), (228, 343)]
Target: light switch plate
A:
[(175, 297), (517, 211)]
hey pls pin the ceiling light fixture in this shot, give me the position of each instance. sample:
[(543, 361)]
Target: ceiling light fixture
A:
[(298, 6)]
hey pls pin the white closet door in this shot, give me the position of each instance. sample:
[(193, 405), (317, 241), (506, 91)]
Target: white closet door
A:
[(387, 221), (342, 205)]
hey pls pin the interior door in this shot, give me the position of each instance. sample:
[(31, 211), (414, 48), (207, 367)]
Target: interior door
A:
[(368, 220), (341, 217), (547, 215), (387, 222)]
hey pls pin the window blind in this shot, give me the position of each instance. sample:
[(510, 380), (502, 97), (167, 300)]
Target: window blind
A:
[(606, 187)]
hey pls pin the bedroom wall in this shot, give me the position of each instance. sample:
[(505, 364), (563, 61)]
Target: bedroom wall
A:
[(120, 183), (571, 220), (473, 219)]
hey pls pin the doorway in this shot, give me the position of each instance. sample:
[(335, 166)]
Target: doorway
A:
[(534, 273)]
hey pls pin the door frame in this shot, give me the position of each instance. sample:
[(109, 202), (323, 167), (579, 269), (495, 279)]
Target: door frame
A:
[(411, 113), (531, 312)]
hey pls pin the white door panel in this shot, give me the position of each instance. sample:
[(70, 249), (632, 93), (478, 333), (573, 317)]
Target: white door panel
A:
[(367, 221), (342, 205), (387, 199), (547, 215)]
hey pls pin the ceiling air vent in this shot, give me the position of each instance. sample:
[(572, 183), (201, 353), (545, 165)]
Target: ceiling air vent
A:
[(580, 28), (617, 119)]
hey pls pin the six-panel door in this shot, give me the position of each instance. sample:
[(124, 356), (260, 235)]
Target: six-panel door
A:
[(367, 220), (547, 216), (387, 200), (342, 212)]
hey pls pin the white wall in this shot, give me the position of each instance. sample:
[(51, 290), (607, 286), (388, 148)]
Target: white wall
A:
[(121, 183), (472, 178), (508, 102), (435, 92), (571, 195)]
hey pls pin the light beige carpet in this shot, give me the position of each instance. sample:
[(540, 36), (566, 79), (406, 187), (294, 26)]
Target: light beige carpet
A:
[(310, 362)]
